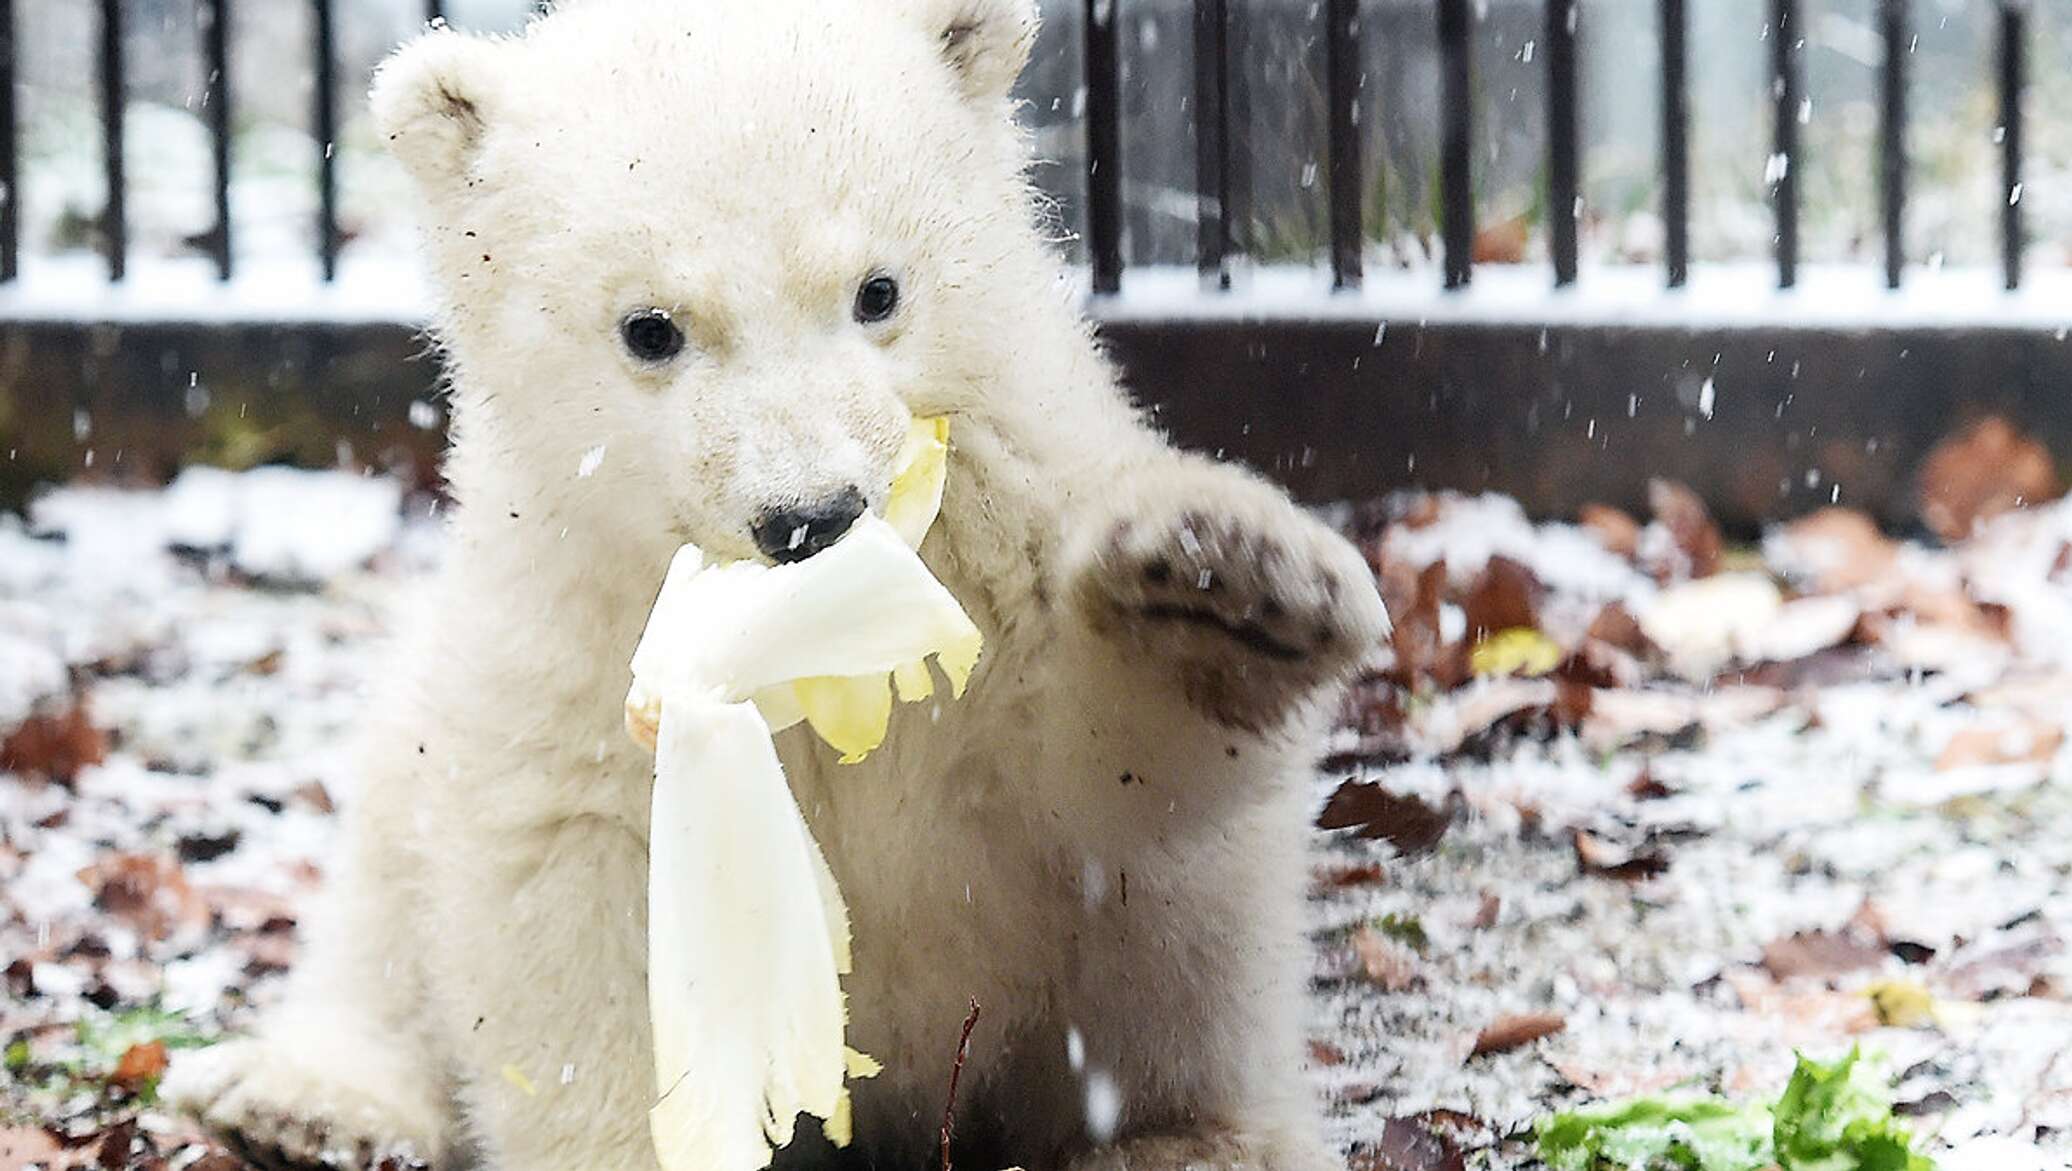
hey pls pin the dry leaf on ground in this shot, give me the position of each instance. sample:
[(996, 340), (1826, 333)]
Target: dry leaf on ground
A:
[(1386, 964), (1986, 470), (1822, 955), (1694, 540), (1618, 532), (1406, 822), (1511, 1032), (2028, 742), (54, 746), (1596, 856), (1834, 550)]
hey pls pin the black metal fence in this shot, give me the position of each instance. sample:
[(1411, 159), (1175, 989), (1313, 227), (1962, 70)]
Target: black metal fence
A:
[(1343, 394), (1219, 105), (1219, 109)]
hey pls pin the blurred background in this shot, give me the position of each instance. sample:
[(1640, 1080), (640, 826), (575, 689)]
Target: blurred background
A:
[(1635, 216)]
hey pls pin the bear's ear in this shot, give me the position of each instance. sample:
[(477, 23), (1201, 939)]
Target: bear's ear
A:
[(987, 42), (432, 101)]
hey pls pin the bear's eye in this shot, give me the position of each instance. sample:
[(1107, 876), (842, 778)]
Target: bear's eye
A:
[(651, 336), (876, 299)]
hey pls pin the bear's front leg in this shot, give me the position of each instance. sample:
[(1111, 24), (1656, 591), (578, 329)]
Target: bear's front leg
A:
[(542, 981), (1218, 582)]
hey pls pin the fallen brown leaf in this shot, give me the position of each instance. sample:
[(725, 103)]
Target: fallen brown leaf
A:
[(1646, 787), (315, 795), (1620, 1082), (146, 890), (1416, 1143), (1512, 1032), (1839, 549), (1386, 964), (54, 747), (1683, 515), (2030, 742), (1489, 912), (1330, 878), (33, 1147), (1406, 822), (1422, 653), (1323, 1053), (140, 1065), (1598, 857), (2005, 963), (1822, 955), (1988, 469), (1614, 529), (1504, 596)]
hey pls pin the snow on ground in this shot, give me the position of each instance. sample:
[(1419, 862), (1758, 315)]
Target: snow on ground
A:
[(1571, 862)]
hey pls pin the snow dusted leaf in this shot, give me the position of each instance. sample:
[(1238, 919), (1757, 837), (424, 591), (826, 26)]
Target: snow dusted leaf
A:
[(54, 747), (1683, 541), (33, 1146), (1799, 629), (2007, 963), (1512, 1032), (1423, 652), (1618, 532), (1598, 857), (1504, 596), (1404, 821), (1387, 964), (2027, 742), (1615, 626), (148, 891), (1703, 625), (1988, 469), (1419, 1143), (1822, 955), (1330, 878), (1833, 551)]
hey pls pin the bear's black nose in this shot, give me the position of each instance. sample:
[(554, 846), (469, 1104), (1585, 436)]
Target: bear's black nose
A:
[(794, 534)]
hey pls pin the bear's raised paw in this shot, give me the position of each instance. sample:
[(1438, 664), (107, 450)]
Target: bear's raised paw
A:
[(1251, 602)]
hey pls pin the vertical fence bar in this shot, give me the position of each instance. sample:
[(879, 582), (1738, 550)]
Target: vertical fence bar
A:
[(1564, 167), (10, 178), (434, 11), (1787, 86), (115, 216), (1457, 128), (1104, 144), (1676, 143), (1897, 26), (215, 33), (1342, 120), (1211, 142), (326, 82), (2013, 81), (1237, 136)]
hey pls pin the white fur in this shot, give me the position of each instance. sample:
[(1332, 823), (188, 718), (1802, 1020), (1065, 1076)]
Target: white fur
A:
[(1103, 841)]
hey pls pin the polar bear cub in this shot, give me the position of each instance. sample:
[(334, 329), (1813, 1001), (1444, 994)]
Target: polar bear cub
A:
[(699, 262)]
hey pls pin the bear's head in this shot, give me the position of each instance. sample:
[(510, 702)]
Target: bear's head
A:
[(699, 261)]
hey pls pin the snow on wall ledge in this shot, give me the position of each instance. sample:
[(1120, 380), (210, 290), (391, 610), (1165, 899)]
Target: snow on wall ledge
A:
[(1741, 295)]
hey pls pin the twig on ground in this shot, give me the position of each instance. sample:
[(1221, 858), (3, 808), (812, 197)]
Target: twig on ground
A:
[(949, 1108)]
